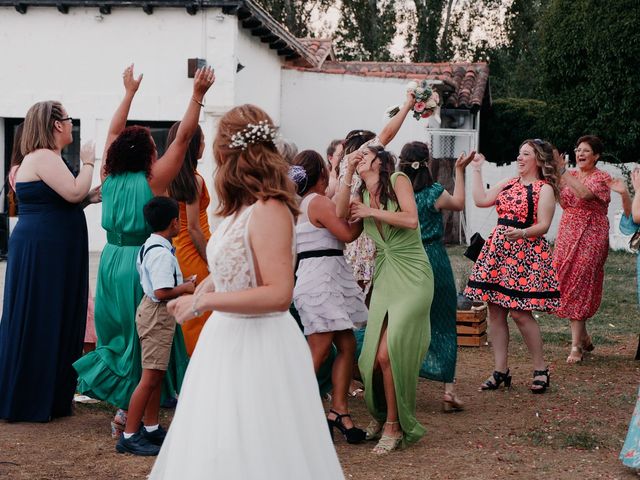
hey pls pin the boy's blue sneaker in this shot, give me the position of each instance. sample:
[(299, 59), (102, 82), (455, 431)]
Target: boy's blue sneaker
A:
[(137, 445), (156, 437)]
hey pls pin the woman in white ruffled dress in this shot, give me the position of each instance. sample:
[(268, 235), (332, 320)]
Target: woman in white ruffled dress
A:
[(328, 299), (249, 406)]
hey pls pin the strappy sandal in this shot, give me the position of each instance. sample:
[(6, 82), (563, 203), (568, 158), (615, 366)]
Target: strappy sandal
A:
[(351, 435), (575, 358), (542, 384), (451, 403), (498, 379), (587, 344), (373, 430), (387, 443)]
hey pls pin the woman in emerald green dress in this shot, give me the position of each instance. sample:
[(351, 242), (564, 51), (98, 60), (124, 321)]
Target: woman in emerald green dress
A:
[(398, 330), (431, 198), (131, 175)]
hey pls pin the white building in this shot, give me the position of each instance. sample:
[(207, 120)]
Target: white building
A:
[(75, 51)]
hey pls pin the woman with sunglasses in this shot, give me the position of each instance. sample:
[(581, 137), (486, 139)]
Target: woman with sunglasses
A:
[(582, 245), (514, 273), (398, 329)]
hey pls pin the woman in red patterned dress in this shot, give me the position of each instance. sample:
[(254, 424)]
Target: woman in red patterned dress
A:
[(514, 272), (582, 245)]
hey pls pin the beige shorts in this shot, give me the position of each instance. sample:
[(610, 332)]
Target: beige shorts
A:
[(156, 328)]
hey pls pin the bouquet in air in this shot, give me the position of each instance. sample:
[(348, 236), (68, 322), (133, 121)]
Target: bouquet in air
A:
[(427, 101)]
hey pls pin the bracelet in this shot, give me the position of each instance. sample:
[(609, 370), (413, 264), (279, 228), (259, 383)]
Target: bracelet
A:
[(478, 170), (347, 184), (88, 163), (194, 309), (524, 233), (199, 103)]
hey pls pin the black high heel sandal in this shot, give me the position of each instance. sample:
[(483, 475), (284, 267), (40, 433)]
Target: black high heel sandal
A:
[(540, 383), (351, 435), (498, 379)]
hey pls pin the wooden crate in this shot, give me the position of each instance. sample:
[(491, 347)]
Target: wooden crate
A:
[(472, 340), (471, 326)]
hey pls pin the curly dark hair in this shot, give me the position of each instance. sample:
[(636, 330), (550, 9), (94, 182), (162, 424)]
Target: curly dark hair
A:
[(387, 168), (132, 151)]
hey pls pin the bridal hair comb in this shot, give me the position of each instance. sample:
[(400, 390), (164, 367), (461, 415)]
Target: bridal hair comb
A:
[(298, 175), (261, 132)]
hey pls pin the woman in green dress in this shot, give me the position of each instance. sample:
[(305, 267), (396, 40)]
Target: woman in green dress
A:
[(431, 198), (398, 330), (131, 175)]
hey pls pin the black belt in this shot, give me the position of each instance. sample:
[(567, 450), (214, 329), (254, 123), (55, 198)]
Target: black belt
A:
[(329, 252), (513, 223)]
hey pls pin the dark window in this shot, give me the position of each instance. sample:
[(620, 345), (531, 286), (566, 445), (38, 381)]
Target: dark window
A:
[(159, 132)]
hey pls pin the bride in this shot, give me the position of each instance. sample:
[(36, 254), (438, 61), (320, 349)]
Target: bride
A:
[(249, 407)]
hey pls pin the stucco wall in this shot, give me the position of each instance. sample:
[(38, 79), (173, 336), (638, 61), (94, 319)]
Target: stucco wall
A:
[(318, 107), (78, 59)]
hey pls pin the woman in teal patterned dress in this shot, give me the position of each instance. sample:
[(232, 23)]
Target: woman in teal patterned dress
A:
[(397, 334), (431, 198)]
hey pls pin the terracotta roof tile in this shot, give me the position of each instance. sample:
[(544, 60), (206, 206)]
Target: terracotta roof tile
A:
[(319, 48), (464, 84)]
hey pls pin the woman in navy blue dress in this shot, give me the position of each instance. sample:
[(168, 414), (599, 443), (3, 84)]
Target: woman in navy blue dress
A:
[(46, 283)]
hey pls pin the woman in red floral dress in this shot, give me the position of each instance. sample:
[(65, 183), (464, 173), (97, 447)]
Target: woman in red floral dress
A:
[(514, 272), (582, 245)]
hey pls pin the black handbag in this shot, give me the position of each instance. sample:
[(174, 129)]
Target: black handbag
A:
[(475, 246)]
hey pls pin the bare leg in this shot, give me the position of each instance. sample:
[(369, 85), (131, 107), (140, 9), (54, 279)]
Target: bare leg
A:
[(530, 331), (341, 374), (152, 412), (392, 426), (320, 346), (141, 397), (499, 336), (578, 337)]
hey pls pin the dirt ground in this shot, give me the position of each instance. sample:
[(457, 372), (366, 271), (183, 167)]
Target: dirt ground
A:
[(574, 431)]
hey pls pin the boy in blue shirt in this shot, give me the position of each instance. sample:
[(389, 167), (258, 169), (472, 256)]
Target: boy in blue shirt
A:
[(161, 281)]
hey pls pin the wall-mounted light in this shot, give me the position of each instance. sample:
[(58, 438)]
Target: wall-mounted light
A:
[(239, 67), (194, 64)]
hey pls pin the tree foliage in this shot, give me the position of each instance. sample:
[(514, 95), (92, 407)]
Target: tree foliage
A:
[(366, 30), (296, 15), (589, 54)]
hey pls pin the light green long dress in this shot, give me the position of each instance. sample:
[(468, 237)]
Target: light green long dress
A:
[(402, 295), (112, 372)]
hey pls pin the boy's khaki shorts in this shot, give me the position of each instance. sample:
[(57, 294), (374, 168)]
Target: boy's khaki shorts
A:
[(156, 328)]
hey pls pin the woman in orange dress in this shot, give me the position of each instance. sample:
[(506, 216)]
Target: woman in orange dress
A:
[(190, 190)]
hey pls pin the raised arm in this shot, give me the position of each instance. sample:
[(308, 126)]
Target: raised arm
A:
[(481, 197), (635, 205), (119, 120), (455, 202), (393, 126), (165, 169), (406, 217), (618, 185), (274, 262), (343, 197)]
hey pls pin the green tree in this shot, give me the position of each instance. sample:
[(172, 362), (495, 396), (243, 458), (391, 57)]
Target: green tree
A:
[(366, 30), (589, 57), (296, 15), (424, 20)]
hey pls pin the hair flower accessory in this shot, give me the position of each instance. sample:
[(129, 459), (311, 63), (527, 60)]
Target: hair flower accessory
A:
[(261, 132), (415, 165), (297, 173)]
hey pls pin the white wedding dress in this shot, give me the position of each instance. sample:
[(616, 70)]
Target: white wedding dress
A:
[(249, 406)]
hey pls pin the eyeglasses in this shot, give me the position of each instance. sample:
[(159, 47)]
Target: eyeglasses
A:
[(580, 150), (65, 119)]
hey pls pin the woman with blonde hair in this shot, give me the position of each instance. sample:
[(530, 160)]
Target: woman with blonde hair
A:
[(249, 406), (47, 277), (514, 273)]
